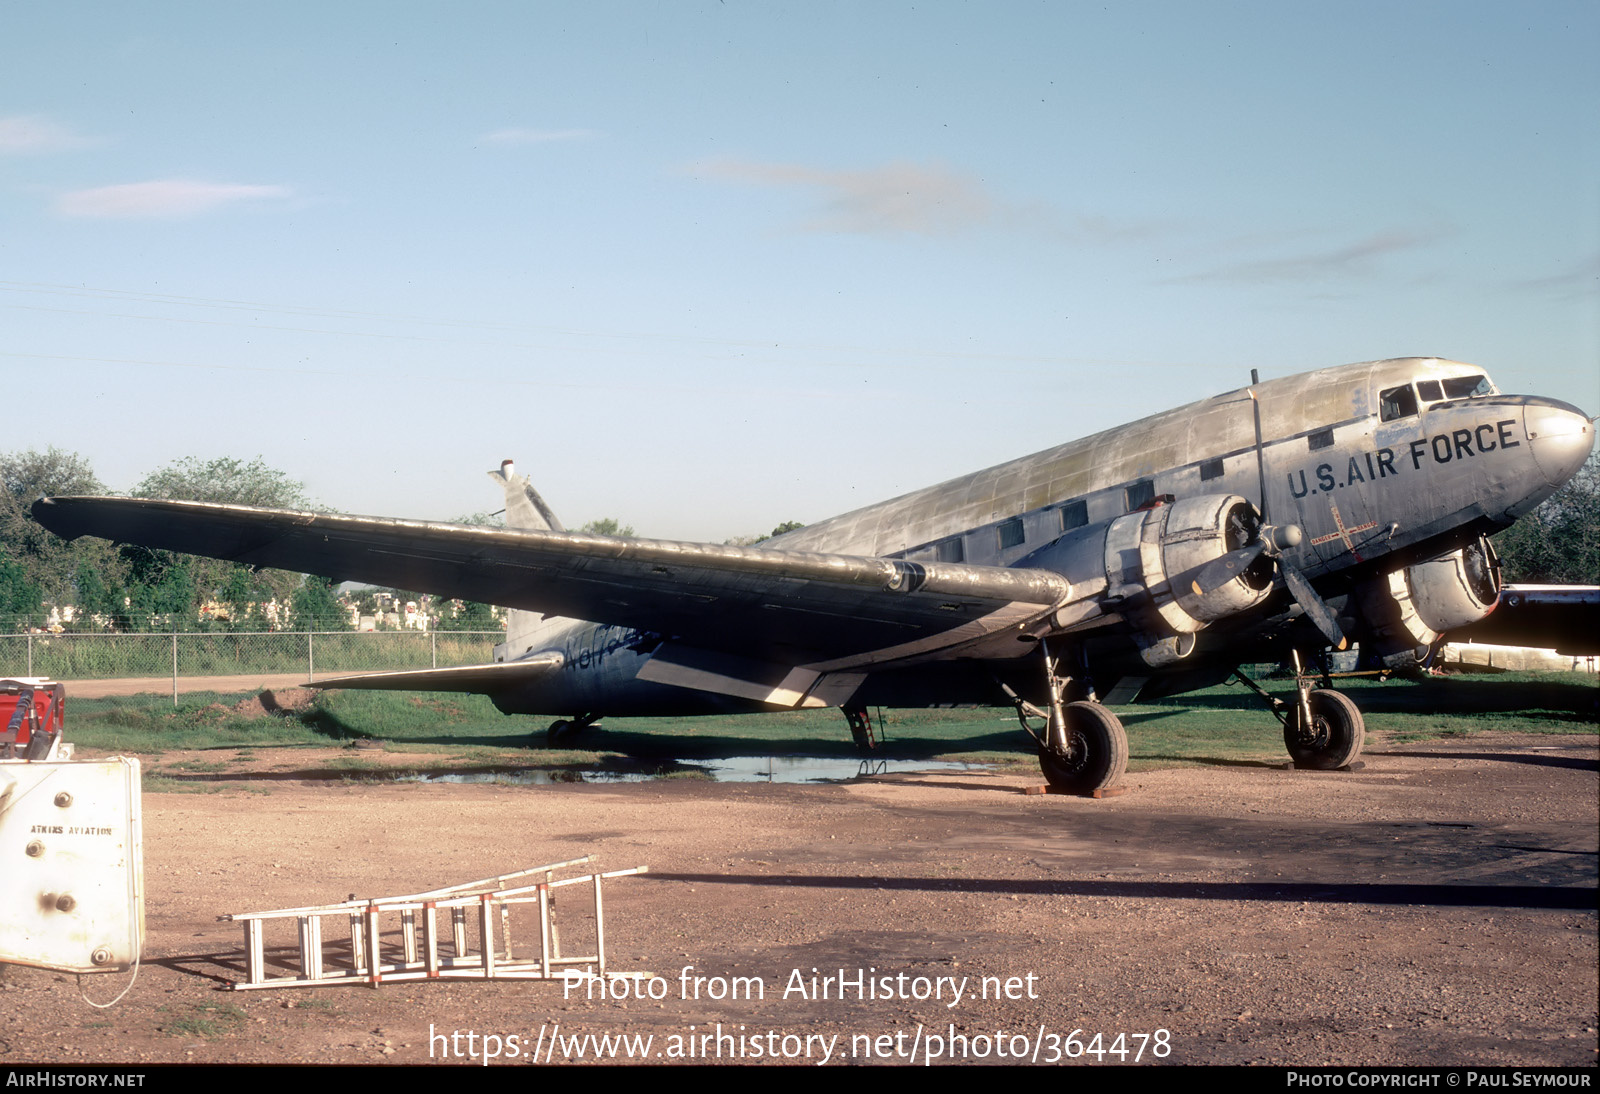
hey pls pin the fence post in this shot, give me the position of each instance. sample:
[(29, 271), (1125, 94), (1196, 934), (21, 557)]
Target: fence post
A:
[(311, 659), (30, 653), (174, 665), (433, 642)]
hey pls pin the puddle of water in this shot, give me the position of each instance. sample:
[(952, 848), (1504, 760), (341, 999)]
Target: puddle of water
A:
[(733, 769), (810, 769)]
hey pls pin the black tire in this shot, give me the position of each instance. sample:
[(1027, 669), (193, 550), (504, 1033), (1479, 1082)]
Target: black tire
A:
[(1337, 732), (1097, 751), (559, 731)]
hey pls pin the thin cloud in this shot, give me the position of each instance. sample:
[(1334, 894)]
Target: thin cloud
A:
[(1353, 259), (34, 135), (1578, 282), (518, 135), (895, 199), (904, 198), (162, 198)]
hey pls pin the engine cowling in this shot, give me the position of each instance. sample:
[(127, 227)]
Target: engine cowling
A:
[(1143, 565), (1406, 611)]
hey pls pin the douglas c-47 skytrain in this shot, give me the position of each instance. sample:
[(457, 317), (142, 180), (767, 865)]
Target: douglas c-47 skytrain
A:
[(1351, 504)]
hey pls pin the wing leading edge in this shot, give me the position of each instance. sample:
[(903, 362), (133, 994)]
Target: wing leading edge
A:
[(789, 607)]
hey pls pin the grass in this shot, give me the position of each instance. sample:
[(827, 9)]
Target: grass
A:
[(150, 724), (206, 1020), (1221, 725), (222, 653)]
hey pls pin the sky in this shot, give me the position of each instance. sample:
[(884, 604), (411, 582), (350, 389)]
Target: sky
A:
[(705, 267)]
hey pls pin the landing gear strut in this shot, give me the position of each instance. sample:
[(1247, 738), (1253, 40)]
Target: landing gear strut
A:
[(1084, 748), (1323, 729), (563, 731), (1325, 732), (1094, 752)]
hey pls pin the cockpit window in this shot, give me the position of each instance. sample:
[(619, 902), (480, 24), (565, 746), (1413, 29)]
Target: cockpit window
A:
[(1396, 403), (1430, 391), (1467, 387)]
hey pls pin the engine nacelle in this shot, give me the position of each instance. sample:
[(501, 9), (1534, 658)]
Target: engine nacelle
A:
[(1407, 610), (1458, 588), (1143, 565)]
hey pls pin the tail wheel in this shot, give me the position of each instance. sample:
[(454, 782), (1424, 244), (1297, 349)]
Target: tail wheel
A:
[(1096, 755), (564, 732), (1335, 736)]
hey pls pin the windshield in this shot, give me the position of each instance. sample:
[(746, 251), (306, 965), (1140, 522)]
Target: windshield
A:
[(1467, 387)]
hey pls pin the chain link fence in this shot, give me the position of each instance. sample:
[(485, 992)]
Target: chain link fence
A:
[(313, 653)]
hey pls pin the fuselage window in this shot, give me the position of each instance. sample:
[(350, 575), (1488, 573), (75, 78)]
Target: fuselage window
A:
[(1074, 514), (1140, 493), (1211, 469), (1011, 533), (1396, 403), (1322, 438), (950, 550)]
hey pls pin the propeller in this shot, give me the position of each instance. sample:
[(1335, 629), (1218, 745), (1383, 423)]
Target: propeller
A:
[(1273, 541)]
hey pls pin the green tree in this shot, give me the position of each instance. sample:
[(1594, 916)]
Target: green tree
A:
[(96, 598), (316, 606), (47, 566), (481, 519), (243, 592), (160, 592), (608, 526), (19, 597), (464, 615), (1559, 542), (225, 480), (746, 541)]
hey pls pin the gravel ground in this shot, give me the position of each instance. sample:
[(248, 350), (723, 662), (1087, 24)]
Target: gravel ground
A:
[(1437, 907)]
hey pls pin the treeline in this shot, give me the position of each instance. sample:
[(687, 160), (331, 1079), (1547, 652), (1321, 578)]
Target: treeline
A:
[(130, 588), (1559, 542)]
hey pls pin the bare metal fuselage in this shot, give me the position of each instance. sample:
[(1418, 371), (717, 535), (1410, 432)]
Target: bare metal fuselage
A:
[(1370, 494)]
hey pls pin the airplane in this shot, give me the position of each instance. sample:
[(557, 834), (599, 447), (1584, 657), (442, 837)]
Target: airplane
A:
[(1565, 618), (1276, 521)]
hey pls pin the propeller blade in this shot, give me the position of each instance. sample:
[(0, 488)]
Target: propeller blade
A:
[(1219, 571), (1307, 598), (1261, 462)]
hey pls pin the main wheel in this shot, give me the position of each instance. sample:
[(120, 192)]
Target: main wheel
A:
[(1097, 751), (1335, 737)]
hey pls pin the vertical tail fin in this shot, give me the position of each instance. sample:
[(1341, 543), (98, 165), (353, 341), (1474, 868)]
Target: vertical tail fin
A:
[(524, 507), (526, 510)]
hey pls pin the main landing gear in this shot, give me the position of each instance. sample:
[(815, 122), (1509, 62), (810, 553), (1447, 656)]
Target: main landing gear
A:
[(1323, 730), (1083, 748), (562, 732)]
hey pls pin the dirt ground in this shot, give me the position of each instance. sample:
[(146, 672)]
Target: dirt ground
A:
[(1437, 907)]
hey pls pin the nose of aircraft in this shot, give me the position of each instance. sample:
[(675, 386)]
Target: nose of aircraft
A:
[(1561, 437)]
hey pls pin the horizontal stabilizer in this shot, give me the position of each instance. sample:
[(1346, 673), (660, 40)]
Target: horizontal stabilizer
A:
[(471, 678)]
